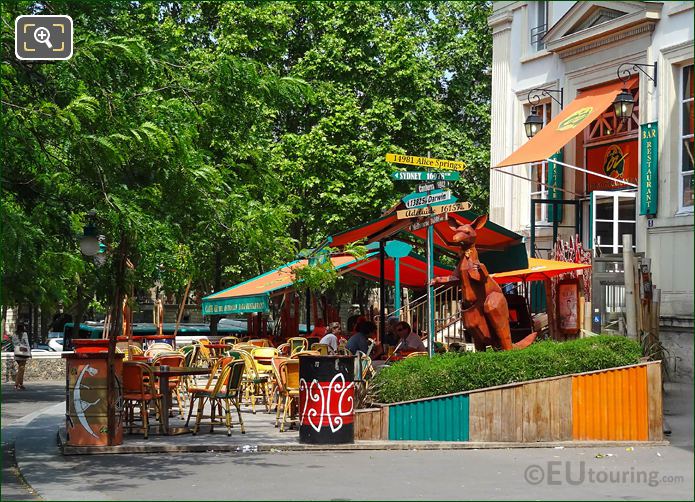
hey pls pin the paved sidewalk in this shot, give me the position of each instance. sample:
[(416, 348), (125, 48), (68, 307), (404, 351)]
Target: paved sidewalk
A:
[(19, 408), (119, 477)]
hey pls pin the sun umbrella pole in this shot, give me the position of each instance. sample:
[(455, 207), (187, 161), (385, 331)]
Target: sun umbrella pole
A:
[(550, 305), (181, 307)]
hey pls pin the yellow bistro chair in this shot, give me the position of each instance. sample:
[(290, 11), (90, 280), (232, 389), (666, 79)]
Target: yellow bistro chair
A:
[(320, 347), (298, 343), (289, 372)]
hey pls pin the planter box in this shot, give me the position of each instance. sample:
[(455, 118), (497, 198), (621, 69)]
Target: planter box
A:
[(617, 404), (372, 423)]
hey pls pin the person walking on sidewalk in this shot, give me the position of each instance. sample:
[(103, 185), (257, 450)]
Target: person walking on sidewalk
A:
[(22, 353)]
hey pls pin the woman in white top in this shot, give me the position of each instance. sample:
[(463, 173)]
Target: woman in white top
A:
[(22, 353), (331, 337)]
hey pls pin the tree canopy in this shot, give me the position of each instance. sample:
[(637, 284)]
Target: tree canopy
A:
[(221, 138)]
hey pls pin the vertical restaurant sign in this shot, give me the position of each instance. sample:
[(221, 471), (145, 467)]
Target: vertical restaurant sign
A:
[(617, 160), (649, 169), (555, 187)]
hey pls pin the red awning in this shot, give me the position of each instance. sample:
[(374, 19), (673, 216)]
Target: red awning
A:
[(413, 273), (491, 237)]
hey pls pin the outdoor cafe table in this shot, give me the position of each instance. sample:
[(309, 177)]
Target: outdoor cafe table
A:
[(164, 372)]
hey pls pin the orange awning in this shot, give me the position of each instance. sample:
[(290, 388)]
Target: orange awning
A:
[(253, 295), (538, 270), (562, 129)]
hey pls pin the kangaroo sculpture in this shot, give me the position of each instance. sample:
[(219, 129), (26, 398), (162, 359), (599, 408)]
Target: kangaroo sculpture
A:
[(485, 310)]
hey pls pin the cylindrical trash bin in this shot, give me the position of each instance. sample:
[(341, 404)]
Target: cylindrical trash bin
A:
[(87, 345), (86, 417), (326, 399)]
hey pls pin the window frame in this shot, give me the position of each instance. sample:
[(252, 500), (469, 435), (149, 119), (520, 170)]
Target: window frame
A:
[(538, 45), (682, 100), (547, 113)]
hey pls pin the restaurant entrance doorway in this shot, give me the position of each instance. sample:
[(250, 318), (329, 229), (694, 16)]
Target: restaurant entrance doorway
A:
[(613, 214)]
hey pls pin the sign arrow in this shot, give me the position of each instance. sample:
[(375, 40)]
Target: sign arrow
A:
[(395, 158), (426, 211), (436, 197), (425, 176)]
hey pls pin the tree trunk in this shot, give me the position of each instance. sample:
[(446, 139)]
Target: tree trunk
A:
[(79, 311), (215, 319), (115, 329)]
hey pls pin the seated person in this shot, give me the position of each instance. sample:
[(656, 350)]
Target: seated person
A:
[(319, 329), (409, 341), (360, 340), (390, 337), (331, 337)]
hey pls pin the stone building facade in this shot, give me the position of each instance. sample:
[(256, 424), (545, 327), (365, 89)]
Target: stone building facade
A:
[(575, 48)]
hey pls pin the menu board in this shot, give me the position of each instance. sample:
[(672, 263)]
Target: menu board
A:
[(567, 303)]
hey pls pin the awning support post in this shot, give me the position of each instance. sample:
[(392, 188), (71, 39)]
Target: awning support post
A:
[(397, 272), (382, 289), (430, 292), (533, 229), (307, 299)]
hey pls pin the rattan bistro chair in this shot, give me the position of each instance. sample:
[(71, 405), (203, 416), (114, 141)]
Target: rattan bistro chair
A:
[(297, 343), (289, 373), (226, 392), (139, 388), (320, 347)]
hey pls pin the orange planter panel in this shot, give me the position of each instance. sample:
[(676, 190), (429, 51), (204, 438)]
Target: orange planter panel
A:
[(611, 405)]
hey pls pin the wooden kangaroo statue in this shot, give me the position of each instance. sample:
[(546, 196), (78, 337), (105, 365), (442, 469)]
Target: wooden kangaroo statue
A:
[(485, 309)]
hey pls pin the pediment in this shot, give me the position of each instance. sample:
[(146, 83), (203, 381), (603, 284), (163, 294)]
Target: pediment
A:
[(586, 22), (596, 15)]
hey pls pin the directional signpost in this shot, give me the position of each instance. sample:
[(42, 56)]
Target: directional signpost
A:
[(425, 176), (395, 158), (431, 199), (426, 211), (435, 197), (428, 221), (426, 187)]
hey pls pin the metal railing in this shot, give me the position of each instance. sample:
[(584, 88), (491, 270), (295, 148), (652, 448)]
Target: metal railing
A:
[(447, 314)]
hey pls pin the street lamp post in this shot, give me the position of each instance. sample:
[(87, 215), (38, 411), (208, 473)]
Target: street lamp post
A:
[(91, 246)]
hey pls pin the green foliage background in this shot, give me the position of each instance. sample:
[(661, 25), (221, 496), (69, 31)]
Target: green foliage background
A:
[(226, 136)]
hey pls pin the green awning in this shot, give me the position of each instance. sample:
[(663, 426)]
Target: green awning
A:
[(237, 305)]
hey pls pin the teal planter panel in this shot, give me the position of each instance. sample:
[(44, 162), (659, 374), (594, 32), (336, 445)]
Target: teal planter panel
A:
[(440, 419)]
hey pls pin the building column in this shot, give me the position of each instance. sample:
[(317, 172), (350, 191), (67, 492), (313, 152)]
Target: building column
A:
[(501, 134)]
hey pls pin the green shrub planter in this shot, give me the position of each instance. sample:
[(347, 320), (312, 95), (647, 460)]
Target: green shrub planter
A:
[(421, 377)]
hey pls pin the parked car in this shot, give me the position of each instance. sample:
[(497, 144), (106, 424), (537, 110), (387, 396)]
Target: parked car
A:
[(56, 344)]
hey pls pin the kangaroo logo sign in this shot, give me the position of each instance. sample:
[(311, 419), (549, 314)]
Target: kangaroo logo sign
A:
[(614, 162), (575, 119), (617, 160)]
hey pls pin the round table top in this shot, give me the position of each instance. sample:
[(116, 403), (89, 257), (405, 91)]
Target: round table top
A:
[(179, 370)]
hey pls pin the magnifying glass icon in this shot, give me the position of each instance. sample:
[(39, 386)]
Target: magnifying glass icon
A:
[(43, 36)]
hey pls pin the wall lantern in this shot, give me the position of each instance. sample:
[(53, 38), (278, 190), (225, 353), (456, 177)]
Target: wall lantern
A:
[(624, 102), (89, 242), (534, 122)]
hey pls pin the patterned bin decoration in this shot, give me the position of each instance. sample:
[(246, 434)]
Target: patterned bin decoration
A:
[(441, 419), (86, 400)]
